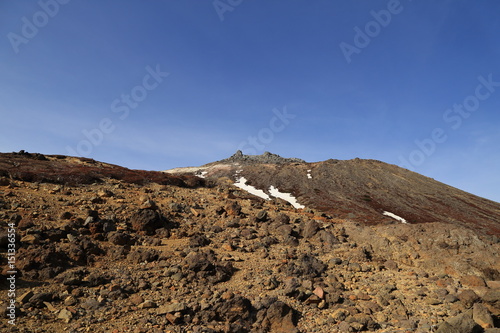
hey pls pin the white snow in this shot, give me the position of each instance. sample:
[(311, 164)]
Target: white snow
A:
[(203, 174), (273, 191), (241, 183), (309, 174), (394, 216), (285, 196)]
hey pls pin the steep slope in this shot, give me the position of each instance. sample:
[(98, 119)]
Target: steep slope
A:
[(66, 170), (135, 251), (361, 190)]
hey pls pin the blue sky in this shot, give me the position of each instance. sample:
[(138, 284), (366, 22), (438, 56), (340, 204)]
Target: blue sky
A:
[(162, 84)]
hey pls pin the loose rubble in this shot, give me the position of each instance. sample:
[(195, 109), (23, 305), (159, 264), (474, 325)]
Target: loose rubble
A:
[(166, 258)]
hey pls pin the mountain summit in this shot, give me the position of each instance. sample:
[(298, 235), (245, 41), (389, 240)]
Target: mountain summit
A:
[(265, 158), (260, 244), (367, 191)]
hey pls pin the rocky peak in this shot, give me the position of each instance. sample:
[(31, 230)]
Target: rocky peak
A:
[(265, 158)]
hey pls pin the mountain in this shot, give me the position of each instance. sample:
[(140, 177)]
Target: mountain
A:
[(255, 244), (360, 190)]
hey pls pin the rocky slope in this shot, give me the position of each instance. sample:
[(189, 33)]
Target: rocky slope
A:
[(184, 254), (359, 190)]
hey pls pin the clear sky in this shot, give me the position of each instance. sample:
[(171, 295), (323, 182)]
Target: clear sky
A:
[(162, 84)]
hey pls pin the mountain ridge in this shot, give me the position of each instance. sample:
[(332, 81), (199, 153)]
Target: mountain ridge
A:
[(103, 248), (361, 189)]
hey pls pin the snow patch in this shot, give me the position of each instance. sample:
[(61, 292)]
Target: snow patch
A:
[(285, 196), (203, 174), (241, 183), (394, 216), (273, 191)]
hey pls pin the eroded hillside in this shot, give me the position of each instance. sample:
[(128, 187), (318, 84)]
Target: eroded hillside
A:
[(195, 255)]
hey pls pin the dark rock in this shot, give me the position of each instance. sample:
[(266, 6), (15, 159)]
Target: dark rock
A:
[(234, 223), (335, 261), (291, 286), (472, 281), (391, 265), (118, 252), (482, 316), (72, 278), (327, 239), (284, 230), (55, 235), (267, 241), (91, 304), (66, 215), (279, 318), (198, 240), (306, 266), (463, 323), (236, 308), (172, 307), (468, 298), (96, 279), (147, 221), (248, 233), (281, 219), (262, 216), (25, 224), (492, 297), (108, 226), (176, 207), (266, 158), (120, 238), (233, 208), (310, 229), (206, 265), (451, 298), (142, 255), (38, 299), (83, 250), (362, 322), (4, 181)]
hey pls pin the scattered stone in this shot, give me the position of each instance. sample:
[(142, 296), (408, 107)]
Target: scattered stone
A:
[(319, 292), (473, 281), (24, 298), (340, 315), (492, 297), (391, 265), (105, 193), (66, 215), (199, 240), (4, 181), (280, 318), (148, 204), (262, 216), (482, 316), (147, 305), (463, 323), (233, 209), (31, 239), (65, 315), (91, 304), (70, 300), (310, 229), (120, 238), (171, 308), (50, 307), (468, 298), (147, 221), (136, 299)]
